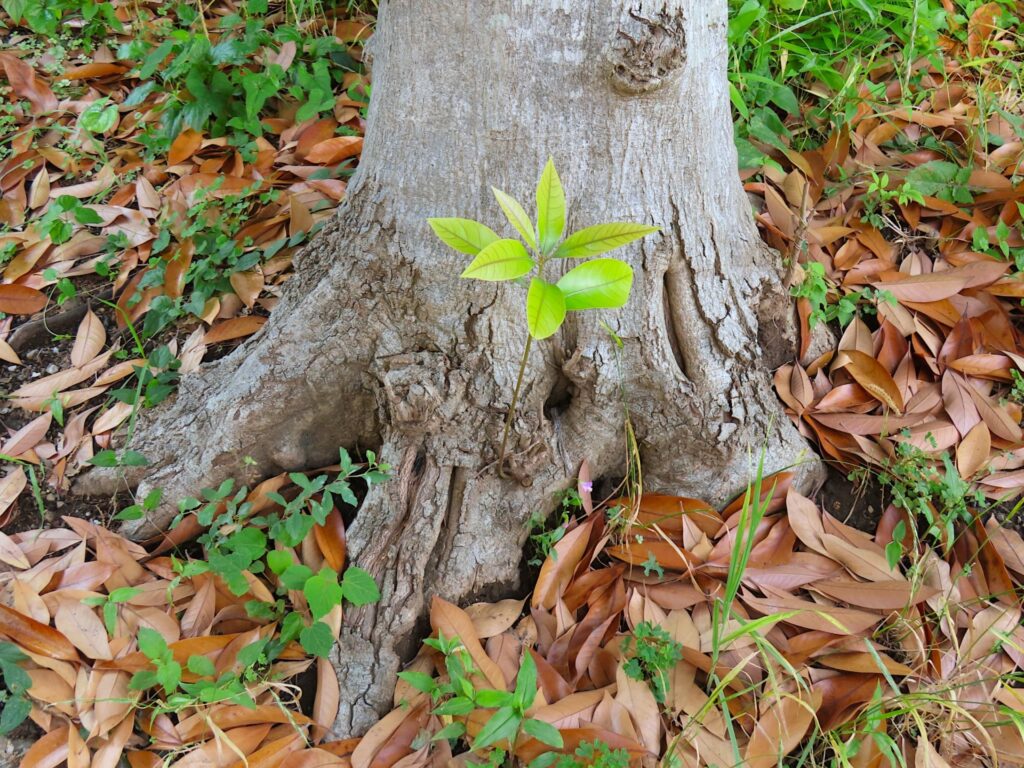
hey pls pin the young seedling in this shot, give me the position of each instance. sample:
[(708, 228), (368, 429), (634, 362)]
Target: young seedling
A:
[(595, 284)]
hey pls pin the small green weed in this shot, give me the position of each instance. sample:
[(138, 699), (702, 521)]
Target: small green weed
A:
[(828, 305), (238, 542), (938, 497), (216, 88), (47, 17), (172, 694), (458, 696), (879, 199), (652, 655), (545, 532), (589, 754)]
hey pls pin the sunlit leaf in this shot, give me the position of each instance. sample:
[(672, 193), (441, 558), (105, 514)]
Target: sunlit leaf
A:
[(545, 308), (597, 284)]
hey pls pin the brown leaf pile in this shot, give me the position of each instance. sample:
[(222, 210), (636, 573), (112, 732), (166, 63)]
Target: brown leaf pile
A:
[(80, 693), (840, 631), (51, 157), (935, 366)]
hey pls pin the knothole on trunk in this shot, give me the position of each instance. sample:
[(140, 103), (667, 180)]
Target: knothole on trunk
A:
[(647, 51)]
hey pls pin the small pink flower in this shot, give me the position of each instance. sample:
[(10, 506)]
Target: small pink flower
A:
[(586, 486)]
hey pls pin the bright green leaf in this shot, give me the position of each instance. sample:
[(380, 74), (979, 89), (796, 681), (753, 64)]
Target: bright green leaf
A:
[(457, 705), (597, 284), (151, 643), (421, 681), (317, 639), (99, 117), (601, 238), (545, 308), (464, 235), (492, 699), (526, 683), (550, 208), (543, 732), (322, 593), (201, 665), (501, 260), (359, 587), (295, 576), (503, 725), (278, 560), (516, 216), (450, 731)]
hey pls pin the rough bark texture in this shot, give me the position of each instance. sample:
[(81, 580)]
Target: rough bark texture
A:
[(376, 342)]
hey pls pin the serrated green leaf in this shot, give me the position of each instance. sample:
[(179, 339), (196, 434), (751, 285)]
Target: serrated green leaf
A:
[(359, 587), (168, 674), (151, 643), (597, 284), (545, 308), (464, 235), (322, 593), (317, 639), (278, 560), (295, 576), (544, 732), (141, 680), (517, 216), (201, 665), (601, 238), (550, 208), (501, 260)]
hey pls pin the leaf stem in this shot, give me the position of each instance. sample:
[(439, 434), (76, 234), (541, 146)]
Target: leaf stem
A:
[(512, 408)]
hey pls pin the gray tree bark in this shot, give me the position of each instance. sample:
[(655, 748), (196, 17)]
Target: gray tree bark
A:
[(377, 343)]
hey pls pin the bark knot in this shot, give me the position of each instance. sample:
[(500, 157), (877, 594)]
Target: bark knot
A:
[(414, 389), (648, 50)]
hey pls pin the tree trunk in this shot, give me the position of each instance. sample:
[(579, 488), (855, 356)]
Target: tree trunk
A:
[(378, 344)]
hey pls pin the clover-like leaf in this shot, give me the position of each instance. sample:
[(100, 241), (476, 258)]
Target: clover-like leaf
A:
[(597, 284), (550, 208), (545, 308), (516, 216), (601, 238), (501, 260), (464, 235)]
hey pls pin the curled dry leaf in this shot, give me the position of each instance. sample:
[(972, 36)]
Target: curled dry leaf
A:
[(89, 341), (34, 636), (867, 372), (781, 728), (334, 150), (20, 299), (236, 328), (452, 621)]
